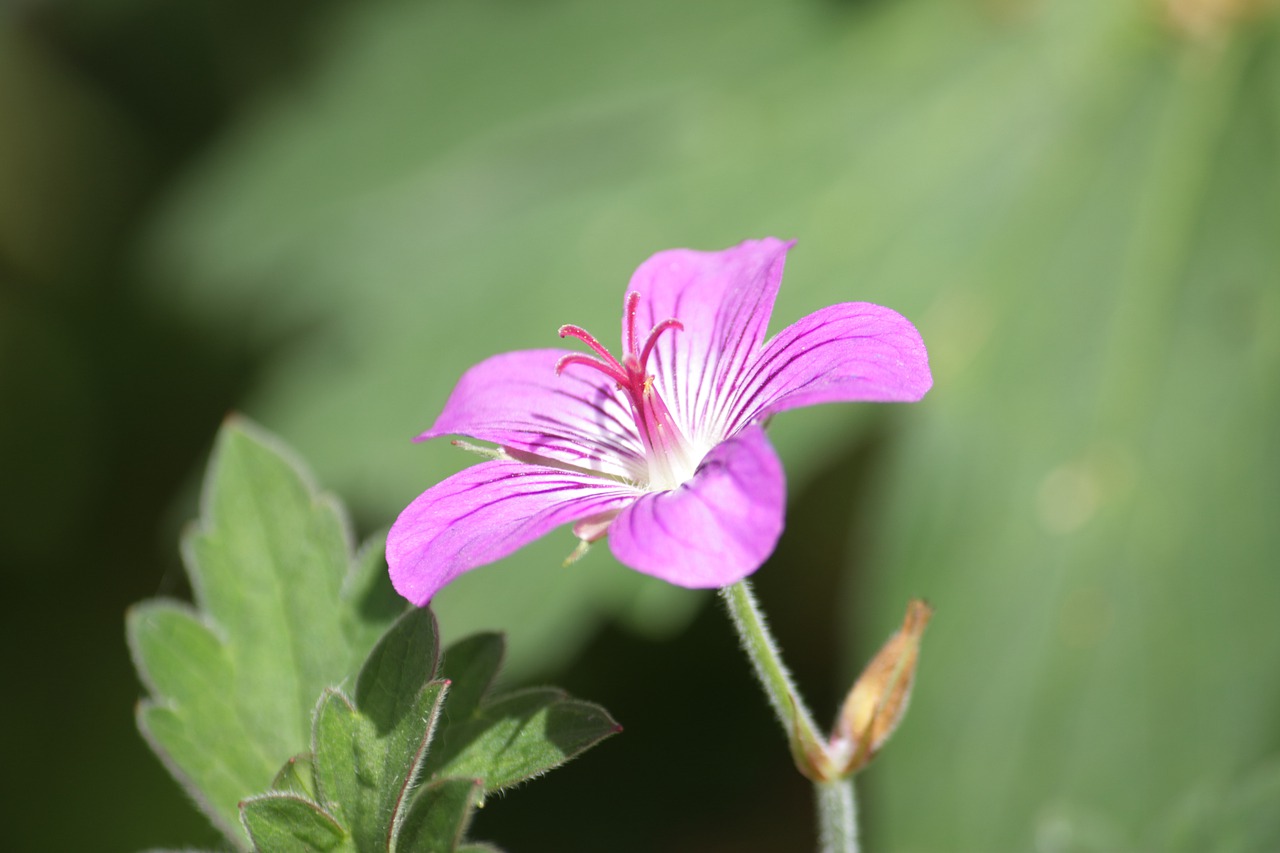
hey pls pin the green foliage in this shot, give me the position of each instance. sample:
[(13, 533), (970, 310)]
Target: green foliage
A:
[(284, 609), (438, 815), (288, 823), (509, 737), (517, 736), (367, 755), (402, 768), (226, 681)]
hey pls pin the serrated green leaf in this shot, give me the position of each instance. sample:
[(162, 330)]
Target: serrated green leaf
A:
[(368, 754), (394, 674), (439, 816), (296, 776), (286, 823), (518, 736), (349, 768), (284, 609), (181, 660), (471, 664), (512, 737)]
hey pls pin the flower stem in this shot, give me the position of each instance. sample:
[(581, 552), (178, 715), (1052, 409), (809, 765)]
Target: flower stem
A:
[(763, 652), (837, 809)]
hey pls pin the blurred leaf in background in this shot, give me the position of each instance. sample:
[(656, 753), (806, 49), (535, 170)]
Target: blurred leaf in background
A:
[(1076, 202)]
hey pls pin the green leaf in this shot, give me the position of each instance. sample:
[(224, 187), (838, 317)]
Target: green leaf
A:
[(348, 767), (397, 669), (509, 738), (364, 775), (296, 776), (367, 754), (187, 665), (285, 823), (517, 736), (284, 610), (439, 815), (471, 664)]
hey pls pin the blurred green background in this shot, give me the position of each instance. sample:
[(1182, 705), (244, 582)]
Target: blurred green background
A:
[(321, 213)]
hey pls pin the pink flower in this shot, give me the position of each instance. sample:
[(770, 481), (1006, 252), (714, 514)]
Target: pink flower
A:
[(663, 450)]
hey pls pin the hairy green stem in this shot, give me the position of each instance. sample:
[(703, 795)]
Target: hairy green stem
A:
[(765, 658), (837, 816), (837, 809)]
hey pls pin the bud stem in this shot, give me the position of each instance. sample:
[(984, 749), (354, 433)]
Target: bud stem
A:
[(837, 808), (837, 816)]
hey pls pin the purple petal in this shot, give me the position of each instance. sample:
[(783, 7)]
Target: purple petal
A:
[(850, 352), (715, 529), (517, 400), (483, 514), (723, 299)]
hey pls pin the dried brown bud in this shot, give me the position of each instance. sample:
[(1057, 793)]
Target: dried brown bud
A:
[(812, 756), (879, 698)]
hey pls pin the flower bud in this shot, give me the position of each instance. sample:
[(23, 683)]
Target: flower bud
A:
[(809, 751), (879, 698)]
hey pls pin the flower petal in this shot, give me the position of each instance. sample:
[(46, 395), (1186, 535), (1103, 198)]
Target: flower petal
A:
[(723, 299), (517, 400), (484, 513), (715, 529), (850, 352)]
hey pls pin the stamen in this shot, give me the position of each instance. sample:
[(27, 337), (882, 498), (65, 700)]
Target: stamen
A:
[(673, 323), (670, 460), (629, 309), (578, 553), (610, 370), (486, 452), (570, 331)]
